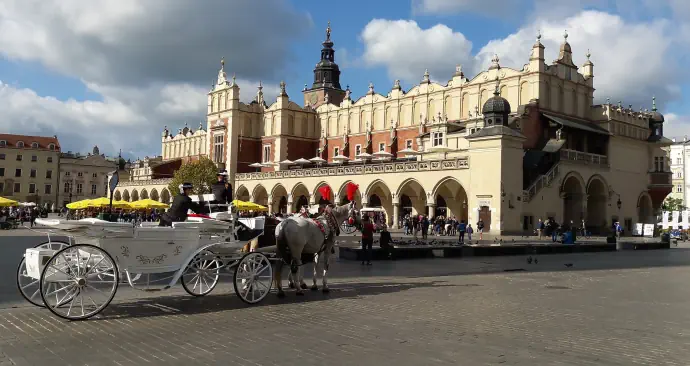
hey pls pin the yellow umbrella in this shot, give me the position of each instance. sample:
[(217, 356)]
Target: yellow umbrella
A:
[(6, 202), (148, 203), (105, 202), (78, 205), (248, 206)]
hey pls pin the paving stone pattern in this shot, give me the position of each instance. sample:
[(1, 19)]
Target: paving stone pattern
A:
[(628, 308)]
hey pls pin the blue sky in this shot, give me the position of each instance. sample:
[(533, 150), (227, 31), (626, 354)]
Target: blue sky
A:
[(113, 73)]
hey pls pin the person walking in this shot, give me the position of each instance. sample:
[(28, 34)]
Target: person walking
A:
[(425, 227), (470, 230), (480, 229), (462, 228), (540, 229), (386, 242), (367, 239)]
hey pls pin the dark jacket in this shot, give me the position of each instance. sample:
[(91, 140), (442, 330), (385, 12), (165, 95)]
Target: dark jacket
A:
[(220, 193), (179, 207), (385, 239)]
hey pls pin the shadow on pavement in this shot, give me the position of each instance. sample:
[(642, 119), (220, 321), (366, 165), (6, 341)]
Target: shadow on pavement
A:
[(186, 305)]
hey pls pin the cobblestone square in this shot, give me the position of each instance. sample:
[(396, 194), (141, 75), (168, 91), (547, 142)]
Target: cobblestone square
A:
[(619, 308)]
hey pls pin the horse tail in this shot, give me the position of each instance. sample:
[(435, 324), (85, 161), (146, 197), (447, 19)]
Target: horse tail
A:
[(281, 240)]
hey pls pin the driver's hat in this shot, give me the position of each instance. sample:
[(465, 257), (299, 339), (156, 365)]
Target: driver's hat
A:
[(184, 186), (223, 173)]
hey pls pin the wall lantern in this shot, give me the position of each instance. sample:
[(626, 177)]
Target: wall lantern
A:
[(464, 203), (619, 203)]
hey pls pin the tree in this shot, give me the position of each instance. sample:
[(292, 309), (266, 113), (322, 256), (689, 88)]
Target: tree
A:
[(673, 204), (202, 174)]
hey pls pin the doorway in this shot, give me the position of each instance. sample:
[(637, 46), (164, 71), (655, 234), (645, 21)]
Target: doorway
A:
[(485, 215)]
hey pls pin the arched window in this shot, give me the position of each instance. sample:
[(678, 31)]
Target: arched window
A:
[(20, 144), (51, 147), (34, 145)]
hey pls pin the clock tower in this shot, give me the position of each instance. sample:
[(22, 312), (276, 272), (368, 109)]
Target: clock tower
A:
[(326, 77)]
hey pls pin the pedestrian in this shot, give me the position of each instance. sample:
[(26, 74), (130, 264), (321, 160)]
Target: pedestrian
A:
[(425, 227), (480, 229), (462, 228), (540, 229), (386, 242), (469, 233), (367, 239)]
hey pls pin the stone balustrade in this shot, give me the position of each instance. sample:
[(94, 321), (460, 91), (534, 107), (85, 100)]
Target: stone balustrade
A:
[(584, 158)]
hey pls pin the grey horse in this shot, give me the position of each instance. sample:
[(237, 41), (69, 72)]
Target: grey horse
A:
[(299, 238)]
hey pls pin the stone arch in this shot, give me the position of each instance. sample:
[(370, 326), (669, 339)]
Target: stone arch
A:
[(125, 195), (574, 175), (448, 107), (117, 196), (260, 195), (165, 195), (379, 189), (242, 194), (450, 191), (154, 195), (597, 198), (645, 209), (135, 195), (341, 195), (412, 189), (144, 194), (572, 193), (317, 195), (279, 198), (524, 93), (300, 196)]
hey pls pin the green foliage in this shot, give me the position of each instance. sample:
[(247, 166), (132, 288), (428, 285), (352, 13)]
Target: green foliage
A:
[(673, 204), (202, 174), (121, 164)]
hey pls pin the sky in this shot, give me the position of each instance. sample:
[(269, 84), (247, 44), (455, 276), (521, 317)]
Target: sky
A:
[(113, 73)]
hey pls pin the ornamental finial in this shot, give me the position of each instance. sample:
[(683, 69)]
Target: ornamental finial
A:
[(654, 104), (328, 31), (565, 35), (588, 54)]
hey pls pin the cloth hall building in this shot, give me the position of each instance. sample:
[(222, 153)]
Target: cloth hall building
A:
[(507, 146)]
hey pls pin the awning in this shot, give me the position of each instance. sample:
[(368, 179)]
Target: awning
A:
[(577, 124), (553, 146)]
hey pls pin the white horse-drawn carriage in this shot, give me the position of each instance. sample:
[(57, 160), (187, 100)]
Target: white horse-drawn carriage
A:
[(79, 278)]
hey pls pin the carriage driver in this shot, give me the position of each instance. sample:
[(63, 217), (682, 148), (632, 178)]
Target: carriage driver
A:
[(180, 205), (222, 193)]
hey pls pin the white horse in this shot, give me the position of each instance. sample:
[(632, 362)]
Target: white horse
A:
[(299, 237)]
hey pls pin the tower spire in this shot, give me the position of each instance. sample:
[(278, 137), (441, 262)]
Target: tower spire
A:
[(654, 104), (328, 32)]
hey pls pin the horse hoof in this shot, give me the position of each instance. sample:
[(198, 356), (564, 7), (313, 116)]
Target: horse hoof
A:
[(300, 293), (326, 290), (281, 295), (314, 288), (303, 286)]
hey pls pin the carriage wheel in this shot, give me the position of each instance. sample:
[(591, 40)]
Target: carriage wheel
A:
[(201, 275), (253, 277), (79, 281), (29, 287)]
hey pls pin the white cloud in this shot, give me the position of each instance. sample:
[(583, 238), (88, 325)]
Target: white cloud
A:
[(632, 61), (150, 61), (676, 126), (487, 7), (406, 50)]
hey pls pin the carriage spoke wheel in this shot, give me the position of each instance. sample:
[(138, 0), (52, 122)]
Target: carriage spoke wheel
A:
[(79, 281), (201, 275), (253, 277), (347, 228), (30, 287)]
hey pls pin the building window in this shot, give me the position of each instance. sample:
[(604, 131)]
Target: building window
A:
[(658, 163), (17, 173), (20, 144), (32, 188), (34, 145), (34, 158), (266, 157), (218, 142), (679, 175), (51, 147), (66, 187), (2, 172), (93, 189), (17, 188), (679, 161), (336, 151), (2, 187), (437, 139), (80, 174), (49, 174), (408, 144), (19, 158), (358, 150), (382, 146), (32, 174), (95, 175), (48, 189), (67, 174), (679, 189), (2, 156), (3, 143), (80, 188), (50, 159)]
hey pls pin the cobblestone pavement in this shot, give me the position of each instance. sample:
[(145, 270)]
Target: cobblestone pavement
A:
[(625, 308)]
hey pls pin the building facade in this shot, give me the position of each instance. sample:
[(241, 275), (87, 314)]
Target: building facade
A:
[(508, 146), (84, 176), (29, 168), (186, 143)]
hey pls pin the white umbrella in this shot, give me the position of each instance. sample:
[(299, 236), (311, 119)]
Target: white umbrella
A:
[(268, 164), (27, 204), (302, 161), (318, 160), (409, 151), (341, 158), (383, 154), (256, 165), (364, 156), (286, 162)]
